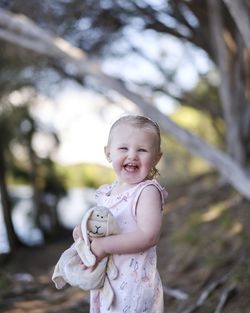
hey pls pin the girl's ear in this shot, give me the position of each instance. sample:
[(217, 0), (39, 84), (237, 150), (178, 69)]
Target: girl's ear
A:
[(158, 157), (107, 153)]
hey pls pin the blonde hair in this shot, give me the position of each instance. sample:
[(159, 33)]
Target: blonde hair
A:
[(139, 121)]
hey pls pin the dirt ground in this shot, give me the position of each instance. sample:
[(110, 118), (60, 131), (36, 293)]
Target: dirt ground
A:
[(203, 259)]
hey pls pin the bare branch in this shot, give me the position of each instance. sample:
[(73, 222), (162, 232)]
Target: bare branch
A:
[(224, 298), (206, 293), (75, 59), (175, 293)]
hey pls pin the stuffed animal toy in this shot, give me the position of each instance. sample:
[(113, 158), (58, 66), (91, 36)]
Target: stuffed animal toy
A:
[(97, 222)]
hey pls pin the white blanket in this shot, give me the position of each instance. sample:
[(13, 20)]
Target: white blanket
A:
[(69, 268)]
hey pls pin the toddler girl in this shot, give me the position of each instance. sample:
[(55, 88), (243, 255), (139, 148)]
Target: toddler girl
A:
[(136, 201)]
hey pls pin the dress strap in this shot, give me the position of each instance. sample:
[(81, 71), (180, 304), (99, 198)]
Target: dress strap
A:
[(144, 184)]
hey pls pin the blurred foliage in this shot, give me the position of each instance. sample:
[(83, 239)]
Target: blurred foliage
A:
[(177, 163), (111, 31), (63, 177), (86, 175), (19, 159), (198, 123), (5, 283), (108, 30)]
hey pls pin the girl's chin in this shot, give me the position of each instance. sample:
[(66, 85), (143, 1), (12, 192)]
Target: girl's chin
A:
[(132, 178)]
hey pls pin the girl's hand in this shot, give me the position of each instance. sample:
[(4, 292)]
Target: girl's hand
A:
[(83, 266), (97, 249)]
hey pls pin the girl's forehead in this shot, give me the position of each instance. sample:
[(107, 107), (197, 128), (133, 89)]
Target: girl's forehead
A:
[(124, 130), (132, 134)]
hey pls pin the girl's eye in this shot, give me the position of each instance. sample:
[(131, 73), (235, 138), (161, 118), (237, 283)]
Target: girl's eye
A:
[(142, 150), (123, 148)]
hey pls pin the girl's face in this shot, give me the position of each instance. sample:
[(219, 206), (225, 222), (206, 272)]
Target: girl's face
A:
[(133, 152)]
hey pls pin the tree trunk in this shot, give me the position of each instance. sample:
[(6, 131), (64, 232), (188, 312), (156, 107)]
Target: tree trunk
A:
[(240, 12), (230, 112), (30, 36), (242, 92), (13, 240)]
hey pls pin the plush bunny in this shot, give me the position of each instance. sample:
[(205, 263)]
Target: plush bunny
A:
[(97, 222)]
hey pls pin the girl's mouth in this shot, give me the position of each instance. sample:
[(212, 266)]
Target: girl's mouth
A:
[(130, 167)]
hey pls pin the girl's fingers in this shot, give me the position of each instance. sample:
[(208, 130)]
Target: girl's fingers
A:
[(93, 267), (83, 266)]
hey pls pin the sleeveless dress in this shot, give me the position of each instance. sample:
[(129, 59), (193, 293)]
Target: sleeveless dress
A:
[(138, 287)]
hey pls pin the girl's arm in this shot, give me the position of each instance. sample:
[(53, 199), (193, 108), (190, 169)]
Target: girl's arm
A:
[(149, 220)]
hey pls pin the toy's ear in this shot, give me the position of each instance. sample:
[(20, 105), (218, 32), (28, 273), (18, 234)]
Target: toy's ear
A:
[(85, 254), (84, 225), (112, 227)]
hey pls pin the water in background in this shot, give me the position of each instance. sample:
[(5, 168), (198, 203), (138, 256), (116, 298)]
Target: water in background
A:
[(70, 210)]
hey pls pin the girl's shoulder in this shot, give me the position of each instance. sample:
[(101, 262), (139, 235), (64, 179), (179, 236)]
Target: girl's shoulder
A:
[(154, 182)]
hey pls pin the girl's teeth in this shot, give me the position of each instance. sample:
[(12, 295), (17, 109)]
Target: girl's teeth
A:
[(130, 167)]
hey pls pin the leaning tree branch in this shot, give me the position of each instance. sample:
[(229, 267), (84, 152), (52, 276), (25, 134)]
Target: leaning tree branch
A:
[(240, 12), (21, 31)]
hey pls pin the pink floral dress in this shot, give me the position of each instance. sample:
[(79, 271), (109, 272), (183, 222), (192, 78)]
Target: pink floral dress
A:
[(138, 287)]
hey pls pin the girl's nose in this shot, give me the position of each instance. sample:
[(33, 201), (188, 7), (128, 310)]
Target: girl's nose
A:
[(132, 155)]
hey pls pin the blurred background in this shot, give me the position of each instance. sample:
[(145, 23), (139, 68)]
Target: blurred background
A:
[(68, 70)]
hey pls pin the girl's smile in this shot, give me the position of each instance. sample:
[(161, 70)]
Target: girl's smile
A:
[(130, 167)]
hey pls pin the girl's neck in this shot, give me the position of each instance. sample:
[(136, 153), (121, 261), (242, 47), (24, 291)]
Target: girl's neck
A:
[(120, 187)]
